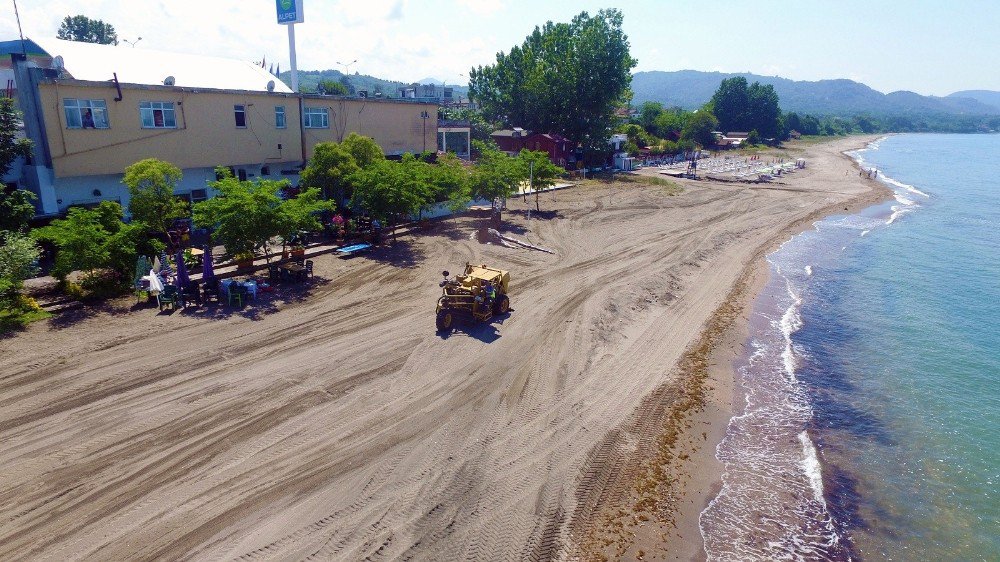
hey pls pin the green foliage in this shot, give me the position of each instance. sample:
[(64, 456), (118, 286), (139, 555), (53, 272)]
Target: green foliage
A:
[(745, 108), (496, 175), (565, 78), (451, 180), (753, 137), (11, 147), (244, 215), (16, 210), (91, 239), (303, 212), (329, 169), (83, 29), (699, 128), (364, 149), (151, 185), (18, 258), (388, 190), (332, 88), (19, 313), (540, 170)]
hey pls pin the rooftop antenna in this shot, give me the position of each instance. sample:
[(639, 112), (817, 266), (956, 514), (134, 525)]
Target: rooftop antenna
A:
[(24, 50)]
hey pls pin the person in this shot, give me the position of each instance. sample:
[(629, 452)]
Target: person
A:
[(88, 119)]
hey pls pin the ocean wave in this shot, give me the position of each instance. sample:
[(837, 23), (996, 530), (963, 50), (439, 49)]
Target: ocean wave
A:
[(897, 211), (811, 467), (809, 270), (905, 186)]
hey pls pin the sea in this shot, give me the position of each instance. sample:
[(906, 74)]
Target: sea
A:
[(869, 427)]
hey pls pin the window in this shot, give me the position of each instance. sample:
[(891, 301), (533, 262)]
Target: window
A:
[(157, 115), (316, 118), (242, 174), (265, 170), (279, 116), (86, 114), (198, 195), (241, 116)]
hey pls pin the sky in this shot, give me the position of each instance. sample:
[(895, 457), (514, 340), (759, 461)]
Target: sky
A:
[(932, 48)]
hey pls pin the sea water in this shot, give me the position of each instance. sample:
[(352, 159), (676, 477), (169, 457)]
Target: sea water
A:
[(871, 423)]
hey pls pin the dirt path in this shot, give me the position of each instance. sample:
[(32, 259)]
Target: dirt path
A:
[(343, 427)]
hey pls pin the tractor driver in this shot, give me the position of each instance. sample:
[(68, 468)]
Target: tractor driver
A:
[(491, 292)]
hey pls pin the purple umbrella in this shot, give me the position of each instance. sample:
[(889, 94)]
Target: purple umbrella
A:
[(181, 280), (207, 272)]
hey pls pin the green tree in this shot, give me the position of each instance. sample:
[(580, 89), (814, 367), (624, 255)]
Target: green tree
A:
[(16, 210), (731, 104), (699, 128), (649, 112), (151, 185), (332, 88), (670, 123), (753, 138), (83, 29), (565, 78), (496, 176), (329, 169), (302, 212), (18, 256), (91, 239), (764, 114), (11, 146), (389, 190), (364, 149), (245, 215), (541, 172), (451, 181)]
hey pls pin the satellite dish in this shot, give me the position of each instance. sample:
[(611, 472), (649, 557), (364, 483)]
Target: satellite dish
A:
[(58, 63), (270, 85), (168, 81)]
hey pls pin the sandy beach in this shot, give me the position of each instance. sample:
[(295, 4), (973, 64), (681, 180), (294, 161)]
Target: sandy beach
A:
[(336, 424)]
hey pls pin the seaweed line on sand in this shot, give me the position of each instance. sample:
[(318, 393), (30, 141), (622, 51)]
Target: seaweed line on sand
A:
[(646, 492)]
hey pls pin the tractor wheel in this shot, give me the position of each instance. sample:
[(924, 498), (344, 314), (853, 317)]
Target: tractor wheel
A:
[(444, 320), (501, 305)]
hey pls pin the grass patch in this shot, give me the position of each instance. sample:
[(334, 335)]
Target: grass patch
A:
[(19, 318), (669, 187)]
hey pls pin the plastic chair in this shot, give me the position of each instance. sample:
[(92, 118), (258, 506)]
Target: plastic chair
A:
[(309, 268), (237, 293), (168, 296)]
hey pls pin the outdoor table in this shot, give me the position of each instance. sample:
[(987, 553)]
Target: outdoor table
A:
[(295, 270)]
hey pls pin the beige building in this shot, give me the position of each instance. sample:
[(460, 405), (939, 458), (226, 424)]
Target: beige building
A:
[(97, 109)]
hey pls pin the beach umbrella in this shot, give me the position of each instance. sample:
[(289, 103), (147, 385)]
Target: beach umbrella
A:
[(182, 279), (165, 268), (155, 284), (206, 266)]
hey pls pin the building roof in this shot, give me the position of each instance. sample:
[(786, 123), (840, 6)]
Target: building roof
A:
[(510, 133), (89, 61)]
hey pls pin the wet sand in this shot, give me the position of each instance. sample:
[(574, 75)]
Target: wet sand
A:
[(336, 423)]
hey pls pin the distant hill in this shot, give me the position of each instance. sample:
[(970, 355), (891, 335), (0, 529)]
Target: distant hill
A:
[(308, 79), (690, 89), (982, 96)]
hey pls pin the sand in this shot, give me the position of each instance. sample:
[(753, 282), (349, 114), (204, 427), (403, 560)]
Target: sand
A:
[(337, 424)]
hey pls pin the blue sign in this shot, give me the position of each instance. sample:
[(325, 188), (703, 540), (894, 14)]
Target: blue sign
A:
[(290, 11)]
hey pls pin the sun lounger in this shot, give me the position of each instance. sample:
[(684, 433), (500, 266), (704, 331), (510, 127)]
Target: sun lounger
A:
[(353, 249)]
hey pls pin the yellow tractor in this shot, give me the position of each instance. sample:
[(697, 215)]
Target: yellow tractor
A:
[(480, 292)]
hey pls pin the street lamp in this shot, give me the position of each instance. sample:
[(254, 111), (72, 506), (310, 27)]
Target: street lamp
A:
[(347, 66), (132, 42), (424, 116)]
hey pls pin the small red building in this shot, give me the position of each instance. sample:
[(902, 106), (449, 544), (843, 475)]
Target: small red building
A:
[(511, 141)]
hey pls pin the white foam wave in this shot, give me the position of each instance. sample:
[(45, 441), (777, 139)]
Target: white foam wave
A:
[(809, 270), (812, 468), (905, 186), (902, 199), (863, 232), (897, 211), (791, 321)]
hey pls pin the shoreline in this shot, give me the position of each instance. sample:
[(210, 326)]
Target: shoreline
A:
[(707, 368)]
